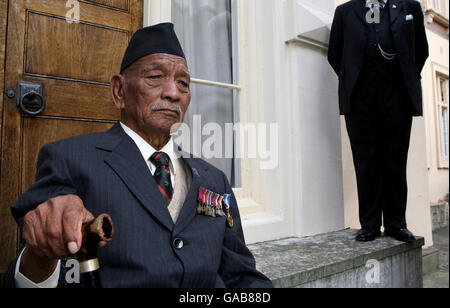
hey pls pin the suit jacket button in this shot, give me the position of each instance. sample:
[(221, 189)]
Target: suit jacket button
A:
[(178, 243)]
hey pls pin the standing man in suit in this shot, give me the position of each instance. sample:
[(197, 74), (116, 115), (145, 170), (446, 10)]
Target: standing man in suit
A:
[(378, 50), (168, 209)]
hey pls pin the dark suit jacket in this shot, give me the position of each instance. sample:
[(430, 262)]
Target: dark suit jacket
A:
[(348, 41), (108, 173)]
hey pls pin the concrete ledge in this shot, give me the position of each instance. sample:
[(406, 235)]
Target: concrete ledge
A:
[(439, 215), (337, 260), (430, 260)]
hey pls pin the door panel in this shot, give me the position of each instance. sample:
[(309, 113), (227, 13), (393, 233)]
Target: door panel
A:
[(81, 100), (119, 4), (74, 62), (91, 12), (70, 43), (50, 129)]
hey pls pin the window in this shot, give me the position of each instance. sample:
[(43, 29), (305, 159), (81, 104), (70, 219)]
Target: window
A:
[(435, 4), (207, 32), (440, 6), (442, 110)]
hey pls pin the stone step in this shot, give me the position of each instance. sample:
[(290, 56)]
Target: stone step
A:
[(439, 215), (430, 260), (336, 260)]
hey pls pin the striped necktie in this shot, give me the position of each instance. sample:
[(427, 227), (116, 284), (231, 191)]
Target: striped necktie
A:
[(163, 175)]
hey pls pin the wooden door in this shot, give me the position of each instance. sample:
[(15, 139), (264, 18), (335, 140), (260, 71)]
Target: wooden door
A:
[(74, 63)]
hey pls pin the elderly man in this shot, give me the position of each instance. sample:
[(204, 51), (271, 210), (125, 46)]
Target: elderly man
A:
[(135, 173)]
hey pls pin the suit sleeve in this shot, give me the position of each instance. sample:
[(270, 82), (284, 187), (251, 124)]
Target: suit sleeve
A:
[(422, 49), (238, 269), (336, 42), (52, 180), (8, 278)]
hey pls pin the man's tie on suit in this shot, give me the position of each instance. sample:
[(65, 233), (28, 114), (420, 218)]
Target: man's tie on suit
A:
[(162, 175)]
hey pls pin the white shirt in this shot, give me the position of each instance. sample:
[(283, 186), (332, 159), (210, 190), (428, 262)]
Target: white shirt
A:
[(147, 152), (23, 282), (382, 3)]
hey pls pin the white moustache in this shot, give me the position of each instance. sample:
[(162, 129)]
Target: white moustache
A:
[(167, 106)]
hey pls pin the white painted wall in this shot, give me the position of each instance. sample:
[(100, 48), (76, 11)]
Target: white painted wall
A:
[(316, 134), (292, 85), (316, 128), (157, 11)]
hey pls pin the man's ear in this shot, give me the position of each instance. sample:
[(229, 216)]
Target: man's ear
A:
[(117, 91)]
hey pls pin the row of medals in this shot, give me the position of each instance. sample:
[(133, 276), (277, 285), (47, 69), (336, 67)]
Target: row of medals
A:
[(215, 211)]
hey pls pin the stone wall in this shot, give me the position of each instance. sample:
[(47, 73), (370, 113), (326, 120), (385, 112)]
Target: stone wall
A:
[(336, 260)]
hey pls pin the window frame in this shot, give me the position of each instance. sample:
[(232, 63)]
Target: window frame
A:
[(441, 73), (439, 6), (158, 11), (235, 86)]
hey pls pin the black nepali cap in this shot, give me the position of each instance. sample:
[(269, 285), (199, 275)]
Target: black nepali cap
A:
[(159, 38)]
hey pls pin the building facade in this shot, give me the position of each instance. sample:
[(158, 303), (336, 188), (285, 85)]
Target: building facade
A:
[(436, 91), (260, 69), (282, 76)]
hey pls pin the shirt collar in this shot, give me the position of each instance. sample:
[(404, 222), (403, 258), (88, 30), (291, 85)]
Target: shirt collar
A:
[(382, 2), (147, 150)]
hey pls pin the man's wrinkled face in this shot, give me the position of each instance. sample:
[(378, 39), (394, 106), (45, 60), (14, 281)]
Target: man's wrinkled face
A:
[(156, 93)]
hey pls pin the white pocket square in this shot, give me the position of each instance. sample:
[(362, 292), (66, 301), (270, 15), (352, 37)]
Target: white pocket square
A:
[(409, 17)]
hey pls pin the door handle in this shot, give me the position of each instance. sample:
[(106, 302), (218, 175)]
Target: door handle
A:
[(30, 99)]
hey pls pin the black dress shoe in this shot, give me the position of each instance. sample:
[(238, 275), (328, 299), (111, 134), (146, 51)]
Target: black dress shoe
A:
[(367, 235), (402, 235)]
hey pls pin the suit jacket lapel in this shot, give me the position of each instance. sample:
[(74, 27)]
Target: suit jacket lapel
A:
[(395, 7), (127, 161), (359, 6)]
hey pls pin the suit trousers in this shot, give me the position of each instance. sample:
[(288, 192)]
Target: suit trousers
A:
[(379, 127)]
